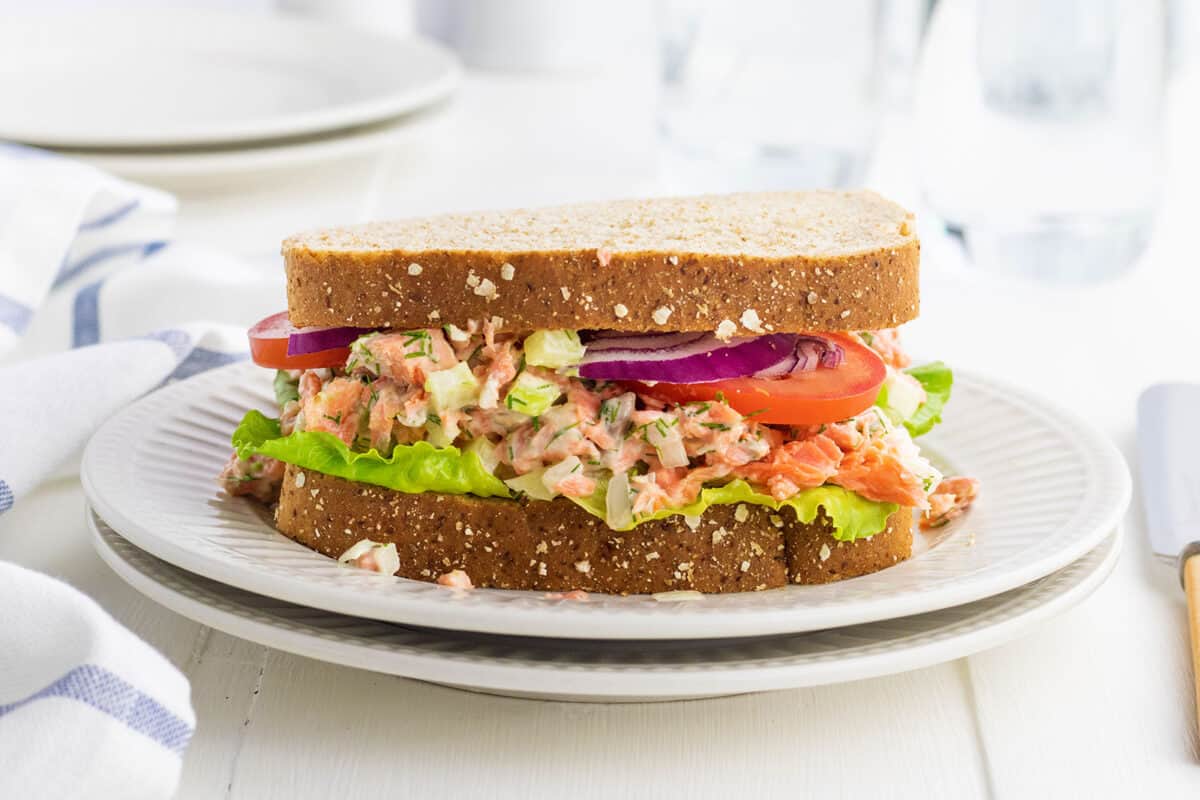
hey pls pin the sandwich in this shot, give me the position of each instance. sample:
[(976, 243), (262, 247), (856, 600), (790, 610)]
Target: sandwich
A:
[(700, 393)]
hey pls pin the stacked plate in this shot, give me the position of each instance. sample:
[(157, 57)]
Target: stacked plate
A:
[(179, 93), (1041, 538)]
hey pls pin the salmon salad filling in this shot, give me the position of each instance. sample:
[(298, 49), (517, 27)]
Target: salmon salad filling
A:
[(491, 412)]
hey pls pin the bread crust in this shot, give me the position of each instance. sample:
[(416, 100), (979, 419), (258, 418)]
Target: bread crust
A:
[(838, 261), (557, 546)]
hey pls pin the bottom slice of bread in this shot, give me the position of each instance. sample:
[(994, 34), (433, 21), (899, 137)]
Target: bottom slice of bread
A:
[(557, 546)]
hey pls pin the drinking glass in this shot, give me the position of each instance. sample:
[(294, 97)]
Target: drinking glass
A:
[(764, 94), (1040, 132)]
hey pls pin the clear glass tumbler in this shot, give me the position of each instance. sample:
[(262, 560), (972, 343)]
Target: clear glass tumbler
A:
[(768, 94), (1040, 131)]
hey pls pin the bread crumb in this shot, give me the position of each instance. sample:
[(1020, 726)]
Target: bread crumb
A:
[(812, 298), (584, 566), (433, 315), (751, 321), (652, 555), (741, 513), (620, 310), (299, 480), (718, 535), (541, 568), (776, 520), (745, 566), (472, 279), (691, 521), (415, 269), (661, 315), (726, 330), (541, 547), (604, 255), (456, 334), (566, 293), (845, 313), (487, 289), (825, 552), (674, 260), (507, 271)]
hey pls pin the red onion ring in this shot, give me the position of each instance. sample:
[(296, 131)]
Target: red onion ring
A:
[(313, 340), (692, 358)]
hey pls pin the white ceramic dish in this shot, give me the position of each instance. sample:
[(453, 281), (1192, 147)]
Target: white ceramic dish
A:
[(1053, 489), (189, 169), (610, 671), (190, 77)]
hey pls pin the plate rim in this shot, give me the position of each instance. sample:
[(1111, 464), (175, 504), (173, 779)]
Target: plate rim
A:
[(575, 620), (587, 683), (270, 130)]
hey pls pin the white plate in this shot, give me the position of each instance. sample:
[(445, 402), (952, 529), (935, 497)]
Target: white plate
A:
[(190, 169), (1053, 488), (183, 77), (610, 671)]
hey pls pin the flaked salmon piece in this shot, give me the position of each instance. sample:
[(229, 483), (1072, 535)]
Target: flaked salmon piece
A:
[(631, 451), (951, 498), (256, 476), (806, 463), (649, 496), (499, 369), (387, 402), (576, 485), (886, 342), (879, 470), (337, 408), (410, 357), (455, 579)]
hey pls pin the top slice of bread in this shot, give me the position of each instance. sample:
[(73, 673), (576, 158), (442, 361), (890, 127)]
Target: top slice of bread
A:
[(782, 261)]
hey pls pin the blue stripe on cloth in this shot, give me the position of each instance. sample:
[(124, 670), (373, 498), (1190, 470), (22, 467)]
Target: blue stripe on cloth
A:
[(68, 271), (202, 359), (6, 497), (179, 341), (87, 315), (14, 314), (109, 217), (107, 692)]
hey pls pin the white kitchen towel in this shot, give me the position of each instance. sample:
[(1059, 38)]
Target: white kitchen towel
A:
[(97, 307), (87, 710)]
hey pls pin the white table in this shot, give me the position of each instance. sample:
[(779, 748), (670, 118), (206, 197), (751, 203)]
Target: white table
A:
[(1096, 703)]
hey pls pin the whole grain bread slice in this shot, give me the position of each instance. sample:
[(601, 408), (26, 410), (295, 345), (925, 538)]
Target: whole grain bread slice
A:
[(557, 546), (783, 261)]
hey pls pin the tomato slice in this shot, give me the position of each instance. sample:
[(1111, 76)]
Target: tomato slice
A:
[(269, 347), (809, 398)]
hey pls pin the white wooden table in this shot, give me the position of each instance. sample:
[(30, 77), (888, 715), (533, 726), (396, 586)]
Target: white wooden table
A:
[(1096, 703)]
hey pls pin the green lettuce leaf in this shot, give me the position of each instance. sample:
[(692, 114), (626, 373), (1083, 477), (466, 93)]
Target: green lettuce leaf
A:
[(936, 379), (853, 516), (412, 468), (421, 467)]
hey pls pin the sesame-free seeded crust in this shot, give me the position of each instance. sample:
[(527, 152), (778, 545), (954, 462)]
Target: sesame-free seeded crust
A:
[(557, 546), (800, 261)]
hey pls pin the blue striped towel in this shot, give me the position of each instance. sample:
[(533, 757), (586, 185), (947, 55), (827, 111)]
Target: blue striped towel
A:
[(97, 306)]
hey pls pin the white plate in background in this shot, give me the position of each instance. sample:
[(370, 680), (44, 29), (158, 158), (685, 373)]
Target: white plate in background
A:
[(1052, 489), (607, 671), (154, 78)]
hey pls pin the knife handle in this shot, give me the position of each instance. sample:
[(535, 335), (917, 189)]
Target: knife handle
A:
[(1191, 587)]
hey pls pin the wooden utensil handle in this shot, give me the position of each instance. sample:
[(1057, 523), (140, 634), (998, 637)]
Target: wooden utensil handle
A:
[(1191, 587)]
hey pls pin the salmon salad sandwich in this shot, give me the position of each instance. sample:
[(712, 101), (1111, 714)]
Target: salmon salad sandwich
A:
[(701, 393)]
